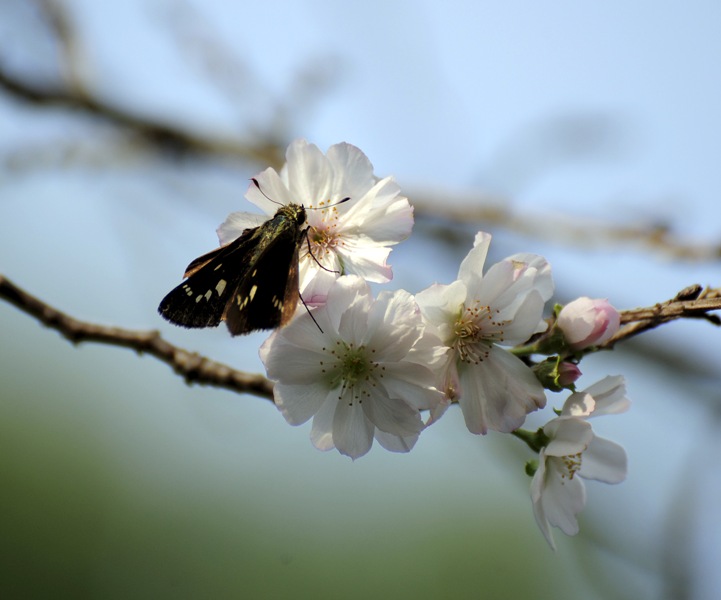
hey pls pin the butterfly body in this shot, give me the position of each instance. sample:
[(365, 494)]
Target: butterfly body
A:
[(250, 283)]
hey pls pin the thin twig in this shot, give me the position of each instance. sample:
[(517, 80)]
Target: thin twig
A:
[(193, 367)]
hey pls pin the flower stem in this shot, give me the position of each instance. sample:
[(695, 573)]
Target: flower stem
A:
[(535, 440)]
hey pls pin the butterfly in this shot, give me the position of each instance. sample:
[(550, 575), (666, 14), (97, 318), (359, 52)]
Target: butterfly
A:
[(250, 283)]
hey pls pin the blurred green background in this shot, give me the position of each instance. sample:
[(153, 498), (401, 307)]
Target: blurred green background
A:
[(121, 482)]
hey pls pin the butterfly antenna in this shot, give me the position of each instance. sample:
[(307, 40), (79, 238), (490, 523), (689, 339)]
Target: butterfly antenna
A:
[(255, 182), (310, 314), (329, 206), (310, 251)]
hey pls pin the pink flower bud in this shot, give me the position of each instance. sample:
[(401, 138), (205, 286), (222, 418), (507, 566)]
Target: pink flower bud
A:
[(568, 373), (586, 322)]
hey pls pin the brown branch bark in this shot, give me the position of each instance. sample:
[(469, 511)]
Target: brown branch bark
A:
[(191, 366), (693, 302)]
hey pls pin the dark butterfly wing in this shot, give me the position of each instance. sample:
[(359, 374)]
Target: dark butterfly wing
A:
[(237, 244), (252, 283), (268, 294), (212, 280)]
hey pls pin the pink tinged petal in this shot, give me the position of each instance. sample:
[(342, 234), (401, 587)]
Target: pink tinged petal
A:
[(393, 443), (605, 461), (568, 373), (392, 415), (236, 223), (298, 403), (352, 430), (588, 322), (562, 498), (505, 287), (307, 173), (568, 436), (314, 289), (314, 281), (273, 192), (498, 393), (610, 396), (538, 269), (472, 264), (321, 434), (497, 288)]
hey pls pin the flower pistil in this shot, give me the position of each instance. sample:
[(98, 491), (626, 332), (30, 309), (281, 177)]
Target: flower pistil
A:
[(475, 332)]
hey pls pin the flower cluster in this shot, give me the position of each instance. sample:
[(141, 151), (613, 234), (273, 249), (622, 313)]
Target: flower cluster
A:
[(573, 451), (386, 368)]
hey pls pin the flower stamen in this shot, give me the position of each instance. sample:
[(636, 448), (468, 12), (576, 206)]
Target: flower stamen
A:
[(353, 367), (475, 333), (572, 462)]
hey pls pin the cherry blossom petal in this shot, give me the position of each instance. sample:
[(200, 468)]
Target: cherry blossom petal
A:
[(236, 223), (472, 265), (352, 431), (569, 436), (605, 461), (298, 403)]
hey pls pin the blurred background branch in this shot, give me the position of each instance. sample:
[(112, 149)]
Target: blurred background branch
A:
[(265, 144)]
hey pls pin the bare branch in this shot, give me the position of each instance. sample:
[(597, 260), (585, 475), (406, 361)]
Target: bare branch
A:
[(173, 140), (193, 367), (694, 302), (494, 212), (164, 137), (691, 303)]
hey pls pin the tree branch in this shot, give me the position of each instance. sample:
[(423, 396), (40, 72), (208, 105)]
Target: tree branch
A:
[(494, 212), (193, 367), (173, 140), (164, 137), (693, 302)]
